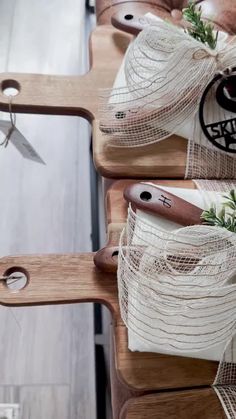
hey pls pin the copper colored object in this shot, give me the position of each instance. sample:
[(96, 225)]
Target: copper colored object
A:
[(156, 201)]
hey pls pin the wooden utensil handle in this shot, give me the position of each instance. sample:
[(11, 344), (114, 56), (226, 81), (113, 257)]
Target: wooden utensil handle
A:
[(46, 94), (106, 259), (134, 23), (53, 279), (130, 23), (157, 201)]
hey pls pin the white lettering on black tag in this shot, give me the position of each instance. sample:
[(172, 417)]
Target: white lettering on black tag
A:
[(20, 142)]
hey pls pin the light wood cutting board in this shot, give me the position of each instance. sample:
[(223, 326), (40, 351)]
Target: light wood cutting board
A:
[(79, 96)]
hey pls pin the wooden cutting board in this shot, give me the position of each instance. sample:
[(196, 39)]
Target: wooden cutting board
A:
[(148, 371), (54, 279), (79, 96), (194, 404)]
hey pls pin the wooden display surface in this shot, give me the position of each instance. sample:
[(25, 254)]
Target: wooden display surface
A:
[(149, 371), (192, 404), (74, 278), (79, 95), (54, 279)]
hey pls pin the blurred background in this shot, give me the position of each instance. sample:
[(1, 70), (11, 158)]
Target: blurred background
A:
[(48, 353)]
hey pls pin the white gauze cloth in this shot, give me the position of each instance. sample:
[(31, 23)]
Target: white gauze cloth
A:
[(164, 324)]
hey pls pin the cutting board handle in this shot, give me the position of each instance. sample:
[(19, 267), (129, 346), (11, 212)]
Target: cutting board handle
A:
[(54, 279), (49, 94)]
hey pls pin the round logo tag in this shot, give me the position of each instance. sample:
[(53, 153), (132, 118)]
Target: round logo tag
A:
[(217, 112)]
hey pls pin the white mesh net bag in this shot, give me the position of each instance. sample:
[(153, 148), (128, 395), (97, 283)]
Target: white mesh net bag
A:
[(157, 93), (168, 274), (177, 288)]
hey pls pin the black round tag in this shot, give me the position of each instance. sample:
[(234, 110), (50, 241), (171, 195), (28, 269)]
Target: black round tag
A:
[(222, 131)]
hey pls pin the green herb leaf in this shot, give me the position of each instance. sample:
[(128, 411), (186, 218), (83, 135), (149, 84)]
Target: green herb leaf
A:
[(223, 218), (199, 30)]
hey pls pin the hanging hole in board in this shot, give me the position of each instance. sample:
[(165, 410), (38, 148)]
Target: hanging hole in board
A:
[(115, 254), (145, 196), (120, 115), (129, 17), (17, 278), (10, 87)]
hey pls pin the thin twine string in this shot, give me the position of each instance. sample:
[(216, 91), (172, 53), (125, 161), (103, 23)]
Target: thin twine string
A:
[(5, 144), (14, 278), (13, 125)]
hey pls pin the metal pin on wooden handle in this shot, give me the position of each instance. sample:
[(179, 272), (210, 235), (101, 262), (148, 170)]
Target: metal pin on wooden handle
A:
[(157, 201)]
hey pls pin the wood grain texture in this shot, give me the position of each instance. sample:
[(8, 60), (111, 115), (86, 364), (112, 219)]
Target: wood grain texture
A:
[(46, 209), (222, 13), (116, 206), (156, 201), (76, 95), (134, 23), (194, 404), (73, 278), (70, 278), (106, 8), (149, 371), (70, 94), (79, 95), (146, 371), (54, 279)]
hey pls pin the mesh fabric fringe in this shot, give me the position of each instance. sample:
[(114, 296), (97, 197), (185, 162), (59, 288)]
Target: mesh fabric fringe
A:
[(164, 75), (177, 289), (167, 278)]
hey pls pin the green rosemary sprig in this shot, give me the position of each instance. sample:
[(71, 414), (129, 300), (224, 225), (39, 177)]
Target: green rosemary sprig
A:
[(224, 218), (203, 32)]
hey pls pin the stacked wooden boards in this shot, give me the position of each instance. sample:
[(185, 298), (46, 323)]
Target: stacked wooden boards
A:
[(79, 95), (139, 374), (138, 379)]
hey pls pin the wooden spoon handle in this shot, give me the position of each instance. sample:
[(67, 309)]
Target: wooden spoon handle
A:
[(160, 202), (134, 23), (106, 259), (157, 202), (129, 22)]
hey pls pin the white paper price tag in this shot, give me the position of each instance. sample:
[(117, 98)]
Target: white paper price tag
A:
[(20, 142)]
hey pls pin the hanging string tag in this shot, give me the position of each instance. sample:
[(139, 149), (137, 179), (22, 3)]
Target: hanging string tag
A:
[(12, 134)]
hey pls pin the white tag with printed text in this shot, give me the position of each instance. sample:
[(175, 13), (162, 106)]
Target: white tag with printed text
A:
[(20, 142)]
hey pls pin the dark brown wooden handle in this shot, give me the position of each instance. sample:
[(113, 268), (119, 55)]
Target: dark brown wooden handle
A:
[(129, 22), (155, 201), (134, 23), (159, 202), (106, 259)]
